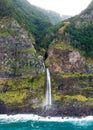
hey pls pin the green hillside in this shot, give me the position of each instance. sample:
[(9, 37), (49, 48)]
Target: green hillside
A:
[(28, 16), (81, 35), (54, 17), (34, 19), (21, 68), (77, 30), (66, 49)]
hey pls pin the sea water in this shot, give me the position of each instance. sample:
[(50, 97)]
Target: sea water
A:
[(34, 122)]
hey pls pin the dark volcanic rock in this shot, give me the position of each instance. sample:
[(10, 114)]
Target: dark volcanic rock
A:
[(72, 109), (3, 109)]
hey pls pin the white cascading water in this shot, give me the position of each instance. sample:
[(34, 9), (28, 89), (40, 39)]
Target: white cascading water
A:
[(48, 99)]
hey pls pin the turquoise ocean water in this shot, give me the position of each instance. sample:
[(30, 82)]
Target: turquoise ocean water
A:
[(26, 122)]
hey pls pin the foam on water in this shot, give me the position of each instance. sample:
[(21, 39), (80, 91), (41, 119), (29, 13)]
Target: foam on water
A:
[(27, 117)]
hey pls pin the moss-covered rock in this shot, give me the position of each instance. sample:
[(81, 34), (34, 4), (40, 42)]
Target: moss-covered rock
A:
[(72, 79), (17, 53), (22, 92), (21, 68), (64, 58)]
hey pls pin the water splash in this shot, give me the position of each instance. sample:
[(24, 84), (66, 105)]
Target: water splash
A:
[(83, 121)]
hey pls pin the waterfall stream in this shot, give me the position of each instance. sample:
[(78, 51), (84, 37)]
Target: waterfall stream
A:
[(48, 99)]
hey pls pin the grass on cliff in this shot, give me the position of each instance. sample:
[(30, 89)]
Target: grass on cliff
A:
[(68, 98), (74, 74), (12, 97), (7, 32), (61, 30), (15, 91), (32, 50), (62, 46)]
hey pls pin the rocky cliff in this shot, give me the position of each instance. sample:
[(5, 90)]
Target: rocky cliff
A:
[(70, 62), (72, 81), (22, 69), (65, 60), (17, 53)]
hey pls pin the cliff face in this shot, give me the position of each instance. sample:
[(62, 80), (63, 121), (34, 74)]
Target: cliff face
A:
[(70, 62), (17, 53), (28, 16), (22, 75), (72, 81), (21, 69), (65, 61)]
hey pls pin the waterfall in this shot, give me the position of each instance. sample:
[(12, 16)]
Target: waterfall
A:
[(48, 100)]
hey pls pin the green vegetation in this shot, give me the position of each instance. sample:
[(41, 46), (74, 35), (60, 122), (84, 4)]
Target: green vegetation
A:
[(30, 50), (68, 98), (81, 37), (78, 31), (21, 62), (61, 30), (74, 74), (6, 32), (78, 35), (29, 17), (69, 87), (62, 46), (16, 90), (34, 19), (12, 97)]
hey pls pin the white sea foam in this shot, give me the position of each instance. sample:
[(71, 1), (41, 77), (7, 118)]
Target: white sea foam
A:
[(27, 117)]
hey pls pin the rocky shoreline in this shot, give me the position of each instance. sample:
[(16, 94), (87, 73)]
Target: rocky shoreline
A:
[(65, 110)]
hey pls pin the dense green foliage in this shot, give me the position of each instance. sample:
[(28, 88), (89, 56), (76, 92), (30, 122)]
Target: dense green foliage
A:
[(22, 91), (82, 37), (34, 19), (39, 22), (30, 17), (79, 32)]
